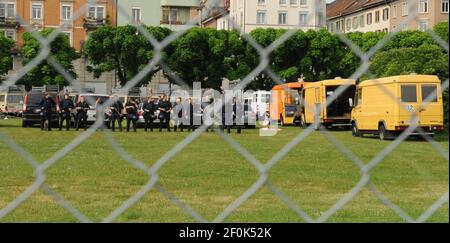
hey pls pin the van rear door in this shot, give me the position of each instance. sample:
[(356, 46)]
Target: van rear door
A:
[(431, 112), (409, 107)]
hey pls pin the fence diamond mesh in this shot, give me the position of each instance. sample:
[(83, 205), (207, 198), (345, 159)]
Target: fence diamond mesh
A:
[(263, 167)]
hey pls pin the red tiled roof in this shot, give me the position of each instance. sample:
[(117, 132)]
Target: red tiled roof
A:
[(336, 8), (346, 7)]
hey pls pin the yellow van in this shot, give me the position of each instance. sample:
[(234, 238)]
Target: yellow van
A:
[(386, 115), (338, 113)]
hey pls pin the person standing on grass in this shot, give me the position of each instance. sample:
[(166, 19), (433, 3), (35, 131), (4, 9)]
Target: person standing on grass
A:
[(47, 105), (82, 107), (165, 107), (131, 109), (149, 113), (65, 110), (116, 114)]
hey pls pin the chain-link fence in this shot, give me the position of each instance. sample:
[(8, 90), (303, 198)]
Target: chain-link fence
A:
[(262, 168)]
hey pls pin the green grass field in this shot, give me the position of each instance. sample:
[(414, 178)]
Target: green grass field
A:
[(209, 175)]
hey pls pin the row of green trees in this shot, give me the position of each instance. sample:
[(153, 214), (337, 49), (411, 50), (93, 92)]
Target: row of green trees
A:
[(208, 55)]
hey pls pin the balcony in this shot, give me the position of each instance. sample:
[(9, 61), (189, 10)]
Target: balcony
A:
[(173, 22), (9, 23), (92, 24)]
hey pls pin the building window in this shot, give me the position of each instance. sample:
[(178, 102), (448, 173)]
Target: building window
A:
[(349, 24), (10, 34), (136, 15), (404, 26), (385, 14), (69, 36), (423, 25), (261, 2), (303, 18), (394, 11), (405, 9), (7, 10), (369, 18), (355, 22), (320, 19), (96, 12), (282, 2), (423, 6), (444, 6), (361, 21), (282, 18), (261, 17), (377, 16), (293, 2), (36, 11), (303, 2), (66, 12)]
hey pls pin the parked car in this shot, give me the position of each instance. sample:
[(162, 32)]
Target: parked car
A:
[(31, 108)]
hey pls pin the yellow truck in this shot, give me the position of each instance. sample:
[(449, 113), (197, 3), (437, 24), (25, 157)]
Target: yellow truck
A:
[(338, 112), (388, 106)]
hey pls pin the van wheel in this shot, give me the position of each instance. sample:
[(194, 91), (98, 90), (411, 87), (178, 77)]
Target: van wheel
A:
[(382, 133), (355, 131)]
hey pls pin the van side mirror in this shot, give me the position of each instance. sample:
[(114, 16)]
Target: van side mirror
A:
[(350, 102)]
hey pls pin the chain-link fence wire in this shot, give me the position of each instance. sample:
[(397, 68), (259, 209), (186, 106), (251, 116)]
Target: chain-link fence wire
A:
[(262, 168)]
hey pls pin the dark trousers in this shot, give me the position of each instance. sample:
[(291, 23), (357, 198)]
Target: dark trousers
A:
[(81, 120), (47, 116), (64, 117), (148, 122), (116, 117), (131, 118), (165, 121)]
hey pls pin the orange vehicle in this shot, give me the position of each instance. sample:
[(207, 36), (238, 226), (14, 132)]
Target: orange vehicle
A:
[(285, 103)]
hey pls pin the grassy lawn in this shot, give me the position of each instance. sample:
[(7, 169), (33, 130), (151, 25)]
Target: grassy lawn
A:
[(208, 175)]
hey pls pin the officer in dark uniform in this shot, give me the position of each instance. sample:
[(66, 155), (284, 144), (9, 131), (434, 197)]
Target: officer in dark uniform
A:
[(65, 111), (82, 107), (116, 114), (165, 107), (149, 113), (226, 113), (47, 105), (132, 117)]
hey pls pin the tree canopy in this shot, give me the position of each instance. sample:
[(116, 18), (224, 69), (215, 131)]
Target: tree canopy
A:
[(44, 73)]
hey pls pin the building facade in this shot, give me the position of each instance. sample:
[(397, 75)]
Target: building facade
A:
[(148, 12), (385, 15), (177, 13), (281, 14), (429, 13), (216, 16), (42, 14), (360, 15), (78, 19)]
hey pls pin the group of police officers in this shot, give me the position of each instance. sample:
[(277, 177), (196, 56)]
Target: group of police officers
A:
[(181, 112)]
